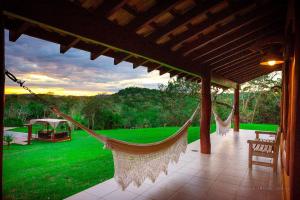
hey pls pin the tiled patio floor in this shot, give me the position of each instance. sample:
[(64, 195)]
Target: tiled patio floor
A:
[(222, 175)]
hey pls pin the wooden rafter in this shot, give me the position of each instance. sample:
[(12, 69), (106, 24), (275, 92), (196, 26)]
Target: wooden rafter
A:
[(15, 34), (135, 65), (222, 81), (223, 54), (243, 63), (88, 29), (173, 73), (212, 19), (250, 72), (221, 50), (96, 53), (249, 69), (116, 8), (239, 23), (237, 38), (148, 17), (232, 68), (65, 47), (106, 7), (234, 59), (241, 60), (137, 61), (253, 76), (183, 20), (164, 71), (152, 66), (120, 57)]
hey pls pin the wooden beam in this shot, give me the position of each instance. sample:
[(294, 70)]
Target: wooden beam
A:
[(212, 19), (60, 17), (183, 20), (236, 116), (222, 81), (205, 114), (15, 34), (239, 23), (95, 54), (65, 47)]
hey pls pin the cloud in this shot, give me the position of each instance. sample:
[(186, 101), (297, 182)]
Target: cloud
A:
[(40, 64)]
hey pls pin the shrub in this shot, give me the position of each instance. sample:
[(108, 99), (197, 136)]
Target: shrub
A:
[(9, 122)]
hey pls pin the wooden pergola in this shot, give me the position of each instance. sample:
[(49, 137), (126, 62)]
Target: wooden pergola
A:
[(217, 42)]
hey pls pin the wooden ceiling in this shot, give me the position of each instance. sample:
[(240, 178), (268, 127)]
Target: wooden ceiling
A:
[(185, 38)]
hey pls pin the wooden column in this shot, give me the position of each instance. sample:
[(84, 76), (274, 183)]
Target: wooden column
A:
[(294, 124), (2, 82), (205, 114), (29, 126), (237, 108)]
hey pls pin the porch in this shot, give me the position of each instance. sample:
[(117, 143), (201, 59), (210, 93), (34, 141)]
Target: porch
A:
[(223, 174)]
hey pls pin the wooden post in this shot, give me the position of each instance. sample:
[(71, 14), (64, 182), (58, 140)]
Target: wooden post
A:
[(237, 108), (294, 124), (205, 114), (2, 96), (29, 126)]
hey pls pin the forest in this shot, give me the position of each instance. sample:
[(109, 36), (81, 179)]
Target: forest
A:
[(169, 105)]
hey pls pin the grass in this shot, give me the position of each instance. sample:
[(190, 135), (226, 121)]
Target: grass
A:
[(57, 170)]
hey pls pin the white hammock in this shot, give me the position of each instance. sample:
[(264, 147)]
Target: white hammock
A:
[(135, 162), (222, 127)]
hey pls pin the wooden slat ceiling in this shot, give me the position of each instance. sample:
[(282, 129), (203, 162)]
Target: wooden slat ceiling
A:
[(185, 38)]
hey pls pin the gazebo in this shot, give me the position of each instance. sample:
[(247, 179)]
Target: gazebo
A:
[(214, 42), (53, 130)]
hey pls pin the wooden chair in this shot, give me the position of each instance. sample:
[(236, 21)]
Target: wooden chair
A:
[(264, 148)]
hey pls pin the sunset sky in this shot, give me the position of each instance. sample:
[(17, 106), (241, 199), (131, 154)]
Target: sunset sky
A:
[(45, 70)]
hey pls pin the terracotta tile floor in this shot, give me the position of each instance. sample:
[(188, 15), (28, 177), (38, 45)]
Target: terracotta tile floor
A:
[(223, 174)]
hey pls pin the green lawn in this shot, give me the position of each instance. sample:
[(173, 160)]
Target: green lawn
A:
[(57, 170)]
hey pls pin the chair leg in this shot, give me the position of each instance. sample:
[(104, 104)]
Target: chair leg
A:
[(275, 161), (250, 157)]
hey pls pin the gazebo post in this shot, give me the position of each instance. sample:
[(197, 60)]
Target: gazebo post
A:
[(29, 126), (205, 114), (237, 108), (2, 96)]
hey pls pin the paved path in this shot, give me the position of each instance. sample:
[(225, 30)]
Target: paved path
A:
[(19, 138)]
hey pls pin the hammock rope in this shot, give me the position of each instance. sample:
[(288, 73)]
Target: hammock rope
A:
[(133, 162)]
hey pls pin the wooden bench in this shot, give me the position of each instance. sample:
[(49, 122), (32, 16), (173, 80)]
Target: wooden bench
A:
[(264, 148)]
